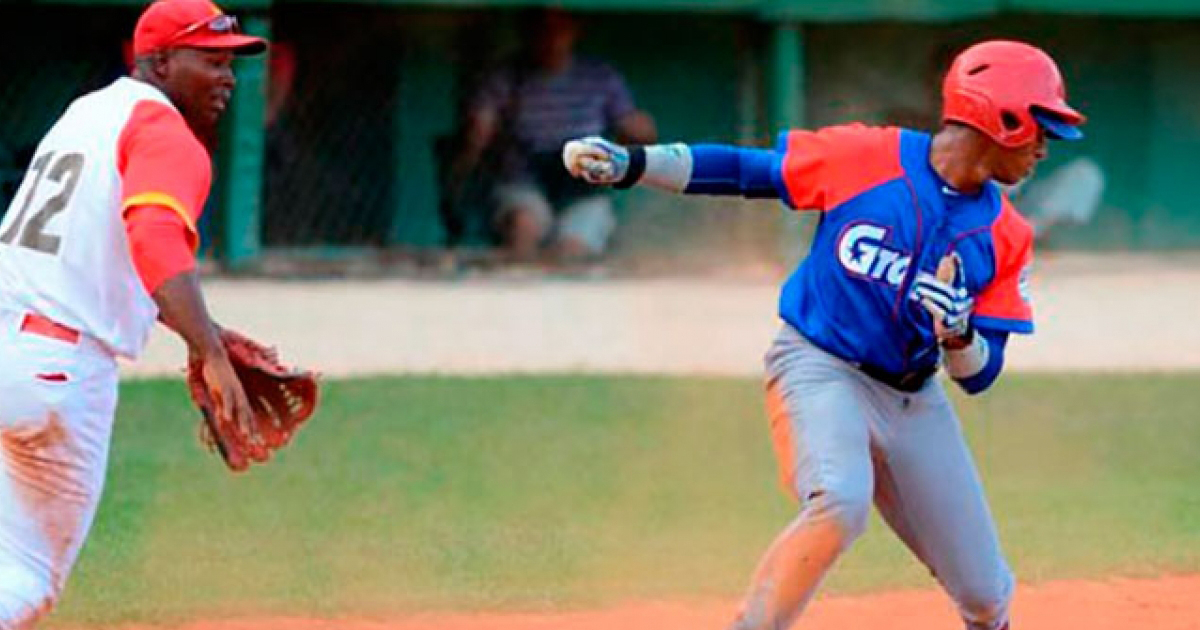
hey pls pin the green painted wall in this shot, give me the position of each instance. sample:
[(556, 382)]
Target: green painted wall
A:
[(1172, 215), (1140, 97), (346, 101), (351, 157), (425, 108), (822, 10), (687, 72), (240, 167)]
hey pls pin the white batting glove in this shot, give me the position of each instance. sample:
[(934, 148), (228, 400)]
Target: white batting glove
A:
[(596, 160), (946, 299)]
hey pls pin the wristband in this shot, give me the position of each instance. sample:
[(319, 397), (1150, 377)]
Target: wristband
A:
[(969, 360), (637, 166)]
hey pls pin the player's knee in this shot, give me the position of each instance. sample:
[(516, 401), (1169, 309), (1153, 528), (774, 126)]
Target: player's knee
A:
[(25, 597), (984, 611), (845, 508)]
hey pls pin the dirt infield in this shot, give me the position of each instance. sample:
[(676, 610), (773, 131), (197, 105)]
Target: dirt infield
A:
[(1163, 604), (1103, 312)]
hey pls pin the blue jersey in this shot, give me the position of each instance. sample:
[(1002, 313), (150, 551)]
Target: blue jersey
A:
[(886, 214)]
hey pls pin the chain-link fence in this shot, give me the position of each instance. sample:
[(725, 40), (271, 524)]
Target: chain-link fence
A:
[(364, 101), (375, 115), (49, 59), (363, 107), (331, 101)]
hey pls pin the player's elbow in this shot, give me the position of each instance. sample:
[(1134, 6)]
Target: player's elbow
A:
[(980, 382), (974, 385)]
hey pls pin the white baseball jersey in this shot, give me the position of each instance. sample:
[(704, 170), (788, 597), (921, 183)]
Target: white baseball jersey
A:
[(64, 252), (65, 263)]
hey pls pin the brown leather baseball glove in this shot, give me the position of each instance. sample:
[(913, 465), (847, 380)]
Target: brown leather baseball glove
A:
[(282, 399)]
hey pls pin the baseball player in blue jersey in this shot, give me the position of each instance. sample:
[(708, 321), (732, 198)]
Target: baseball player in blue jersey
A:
[(919, 262)]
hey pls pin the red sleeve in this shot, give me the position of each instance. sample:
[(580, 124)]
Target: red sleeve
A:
[(1005, 304), (160, 243), (163, 164), (823, 168)]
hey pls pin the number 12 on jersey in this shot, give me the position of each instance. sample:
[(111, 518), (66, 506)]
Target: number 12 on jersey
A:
[(29, 230)]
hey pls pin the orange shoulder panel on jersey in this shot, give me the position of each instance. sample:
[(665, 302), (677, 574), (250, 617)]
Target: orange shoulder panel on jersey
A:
[(162, 163), (823, 168), (1006, 300)]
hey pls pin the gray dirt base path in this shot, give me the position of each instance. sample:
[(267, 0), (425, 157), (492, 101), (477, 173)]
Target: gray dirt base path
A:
[(1093, 312)]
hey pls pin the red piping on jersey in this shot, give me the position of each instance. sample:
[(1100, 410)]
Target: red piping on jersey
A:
[(916, 260), (960, 237), (913, 266)]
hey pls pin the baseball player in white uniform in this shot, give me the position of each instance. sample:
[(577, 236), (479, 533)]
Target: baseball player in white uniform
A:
[(99, 242)]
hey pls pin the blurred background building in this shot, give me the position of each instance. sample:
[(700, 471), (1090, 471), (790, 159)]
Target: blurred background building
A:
[(336, 147)]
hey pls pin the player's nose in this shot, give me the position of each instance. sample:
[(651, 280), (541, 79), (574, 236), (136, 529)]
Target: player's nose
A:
[(225, 76)]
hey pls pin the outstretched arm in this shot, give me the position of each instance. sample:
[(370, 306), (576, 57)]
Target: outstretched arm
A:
[(159, 245), (702, 169)]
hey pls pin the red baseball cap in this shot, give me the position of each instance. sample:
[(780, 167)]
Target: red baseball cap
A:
[(191, 24)]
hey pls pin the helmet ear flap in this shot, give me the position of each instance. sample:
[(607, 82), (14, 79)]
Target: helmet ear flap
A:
[(1008, 127)]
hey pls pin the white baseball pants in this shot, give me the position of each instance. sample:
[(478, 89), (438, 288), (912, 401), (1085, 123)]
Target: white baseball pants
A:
[(58, 394)]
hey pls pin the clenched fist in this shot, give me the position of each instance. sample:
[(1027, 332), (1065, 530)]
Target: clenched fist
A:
[(596, 160)]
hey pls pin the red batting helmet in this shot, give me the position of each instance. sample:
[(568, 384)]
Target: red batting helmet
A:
[(1005, 89)]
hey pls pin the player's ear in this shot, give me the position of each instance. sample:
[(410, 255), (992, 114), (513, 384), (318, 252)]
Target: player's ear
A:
[(159, 64), (152, 65)]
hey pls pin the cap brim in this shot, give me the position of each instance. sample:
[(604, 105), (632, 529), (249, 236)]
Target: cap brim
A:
[(237, 43), (1057, 128)]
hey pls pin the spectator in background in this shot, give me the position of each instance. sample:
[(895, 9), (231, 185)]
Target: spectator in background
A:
[(1068, 195), (516, 124)]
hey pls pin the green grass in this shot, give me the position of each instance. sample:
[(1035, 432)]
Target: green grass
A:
[(527, 493)]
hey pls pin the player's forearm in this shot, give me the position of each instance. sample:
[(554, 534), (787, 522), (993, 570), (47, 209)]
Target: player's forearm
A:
[(161, 247), (706, 169), (181, 307), (977, 366)]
